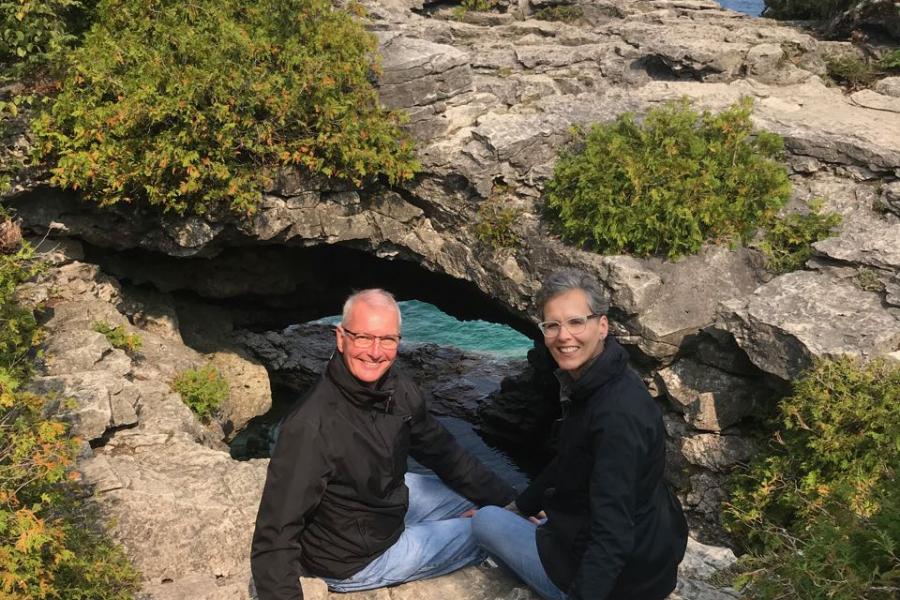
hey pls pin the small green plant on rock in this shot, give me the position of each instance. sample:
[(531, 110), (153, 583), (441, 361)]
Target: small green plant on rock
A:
[(867, 280), (566, 14), (495, 225), (668, 184), (467, 6), (203, 390), (118, 337), (788, 241), (857, 73), (852, 71), (819, 511)]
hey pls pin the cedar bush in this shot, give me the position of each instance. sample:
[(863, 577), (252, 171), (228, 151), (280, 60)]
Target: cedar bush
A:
[(191, 105), (788, 241), (203, 390), (856, 73), (33, 32), (51, 543), (819, 511), (807, 9), (19, 332), (667, 185)]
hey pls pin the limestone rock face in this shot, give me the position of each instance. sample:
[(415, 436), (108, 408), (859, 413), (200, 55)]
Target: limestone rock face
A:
[(716, 452), (800, 316), (249, 391), (711, 399), (491, 102)]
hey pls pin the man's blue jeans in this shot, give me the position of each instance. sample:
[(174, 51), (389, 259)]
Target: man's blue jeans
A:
[(511, 540), (436, 540)]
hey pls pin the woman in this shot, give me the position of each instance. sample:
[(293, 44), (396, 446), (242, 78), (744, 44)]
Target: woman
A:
[(603, 524)]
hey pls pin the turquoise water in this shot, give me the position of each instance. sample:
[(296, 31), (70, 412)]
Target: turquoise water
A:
[(425, 323), (750, 7)]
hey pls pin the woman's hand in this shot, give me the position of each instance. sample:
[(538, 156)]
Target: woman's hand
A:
[(538, 518)]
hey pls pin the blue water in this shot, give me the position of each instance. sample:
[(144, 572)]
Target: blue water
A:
[(425, 323), (751, 7)]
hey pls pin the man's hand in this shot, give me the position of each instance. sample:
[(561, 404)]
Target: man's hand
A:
[(469, 513)]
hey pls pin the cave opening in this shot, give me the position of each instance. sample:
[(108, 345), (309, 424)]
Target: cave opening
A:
[(271, 289)]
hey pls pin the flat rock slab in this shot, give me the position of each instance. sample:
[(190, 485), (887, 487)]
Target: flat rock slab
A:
[(180, 509), (875, 247), (787, 323)]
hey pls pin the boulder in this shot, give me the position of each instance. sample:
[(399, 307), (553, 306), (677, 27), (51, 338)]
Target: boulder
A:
[(180, 509), (710, 399), (787, 323), (249, 393), (889, 86), (716, 452)]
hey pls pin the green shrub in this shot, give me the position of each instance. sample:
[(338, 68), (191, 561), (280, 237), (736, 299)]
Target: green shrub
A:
[(856, 72), (851, 71), (495, 225), (667, 185), (51, 544), (478, 5), (466, 6), (19, 332), (819, 511), (890, 61), (118, 337), (203, 390), (807, 9), (788, 241), (566, 14), (32, 32), (192, 105)]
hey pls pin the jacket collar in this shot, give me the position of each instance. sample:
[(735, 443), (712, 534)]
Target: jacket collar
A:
[(611, 363), (378, 397)]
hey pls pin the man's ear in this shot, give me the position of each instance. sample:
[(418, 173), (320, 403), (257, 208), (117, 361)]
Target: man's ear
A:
[(339, 335)]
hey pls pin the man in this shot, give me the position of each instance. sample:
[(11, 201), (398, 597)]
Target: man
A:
[(338, 503)]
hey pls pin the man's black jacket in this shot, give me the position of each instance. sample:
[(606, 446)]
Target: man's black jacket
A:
[(613, 530), (334, 498)]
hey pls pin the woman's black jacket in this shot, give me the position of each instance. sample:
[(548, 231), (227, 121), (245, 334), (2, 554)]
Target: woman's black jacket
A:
[(334, 498), (614, 530)]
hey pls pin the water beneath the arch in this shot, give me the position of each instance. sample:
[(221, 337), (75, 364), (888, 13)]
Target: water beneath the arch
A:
[(750, 7)]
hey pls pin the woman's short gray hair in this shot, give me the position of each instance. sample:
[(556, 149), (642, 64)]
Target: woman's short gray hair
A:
[(573, 279)]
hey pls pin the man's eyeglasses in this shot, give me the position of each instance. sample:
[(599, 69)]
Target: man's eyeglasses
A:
[(575, 325), (365, 340)]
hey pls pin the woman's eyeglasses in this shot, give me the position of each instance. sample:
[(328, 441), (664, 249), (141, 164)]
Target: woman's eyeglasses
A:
[(575, 325)]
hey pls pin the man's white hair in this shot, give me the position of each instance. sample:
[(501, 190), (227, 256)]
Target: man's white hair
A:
[(372, 297)]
